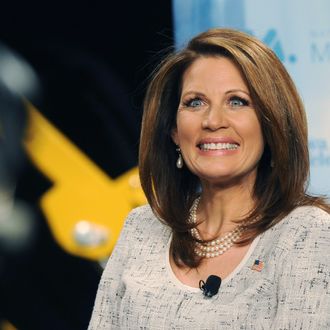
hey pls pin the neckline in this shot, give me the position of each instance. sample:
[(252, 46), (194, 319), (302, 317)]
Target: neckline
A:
[(183, 286)]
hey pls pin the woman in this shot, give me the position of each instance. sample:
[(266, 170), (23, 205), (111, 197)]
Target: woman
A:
[(224, 165)]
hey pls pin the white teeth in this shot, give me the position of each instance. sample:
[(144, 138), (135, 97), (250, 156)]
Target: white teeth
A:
[(218, 146)]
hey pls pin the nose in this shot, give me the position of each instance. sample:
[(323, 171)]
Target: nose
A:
[(215, 119)]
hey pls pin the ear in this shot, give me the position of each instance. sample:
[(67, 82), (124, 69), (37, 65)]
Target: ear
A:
[(174, 135)]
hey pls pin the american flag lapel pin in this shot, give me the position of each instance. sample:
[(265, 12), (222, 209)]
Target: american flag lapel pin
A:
[(258, 265)]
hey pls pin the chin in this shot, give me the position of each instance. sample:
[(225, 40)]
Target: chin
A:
[(227, 179), (216, 178)]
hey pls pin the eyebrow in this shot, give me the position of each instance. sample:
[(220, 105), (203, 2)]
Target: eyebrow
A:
[(193, 92), (227, 92), (238, 90)]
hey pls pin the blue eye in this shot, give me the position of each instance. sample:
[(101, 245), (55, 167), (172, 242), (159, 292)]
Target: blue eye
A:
[(194, 103), (236, 102)]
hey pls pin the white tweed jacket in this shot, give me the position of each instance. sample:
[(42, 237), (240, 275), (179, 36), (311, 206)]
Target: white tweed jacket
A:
[(291, 289)]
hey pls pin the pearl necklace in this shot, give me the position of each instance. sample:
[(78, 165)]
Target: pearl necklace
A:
[(217, 246)]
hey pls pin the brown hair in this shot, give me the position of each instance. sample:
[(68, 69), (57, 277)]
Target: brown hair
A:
[(278, 189)]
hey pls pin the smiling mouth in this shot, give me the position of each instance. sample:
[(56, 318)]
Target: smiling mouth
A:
[(218, 146)]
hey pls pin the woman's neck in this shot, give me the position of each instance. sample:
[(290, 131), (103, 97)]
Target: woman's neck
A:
[(219, 208)]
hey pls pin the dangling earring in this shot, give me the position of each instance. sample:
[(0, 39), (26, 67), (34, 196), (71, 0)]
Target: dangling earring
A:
[(272, 164), (179, 161)]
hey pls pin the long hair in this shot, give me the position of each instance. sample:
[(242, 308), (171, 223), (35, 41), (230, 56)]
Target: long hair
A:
[(283, 170)]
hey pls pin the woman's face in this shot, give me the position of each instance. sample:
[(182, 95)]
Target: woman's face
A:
[(217, 127)]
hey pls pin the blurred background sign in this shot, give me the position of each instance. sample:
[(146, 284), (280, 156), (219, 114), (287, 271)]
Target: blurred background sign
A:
[(85, 208), (299, 32)]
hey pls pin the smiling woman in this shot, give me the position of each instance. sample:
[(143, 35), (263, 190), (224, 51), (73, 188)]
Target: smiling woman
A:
[(224, 165)]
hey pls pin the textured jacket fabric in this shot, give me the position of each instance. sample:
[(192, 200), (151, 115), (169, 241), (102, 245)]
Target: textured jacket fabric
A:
[(289, 290)]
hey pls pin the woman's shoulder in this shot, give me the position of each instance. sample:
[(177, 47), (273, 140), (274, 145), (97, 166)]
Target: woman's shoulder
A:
[(141, 212), (307, 217), (306, 228), (143, 219)]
